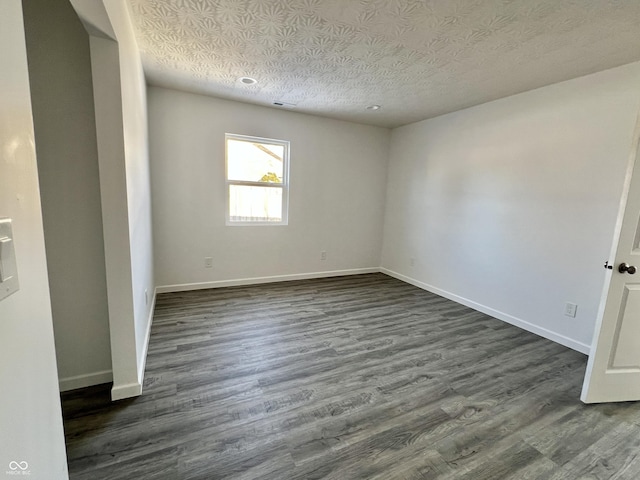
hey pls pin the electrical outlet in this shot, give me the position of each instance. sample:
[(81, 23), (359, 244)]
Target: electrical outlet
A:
[(208, 262), (323, 255), (412, 262), (570, 309)]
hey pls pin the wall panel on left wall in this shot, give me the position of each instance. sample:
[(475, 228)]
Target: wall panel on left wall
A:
[(65, 133), (31, 434)]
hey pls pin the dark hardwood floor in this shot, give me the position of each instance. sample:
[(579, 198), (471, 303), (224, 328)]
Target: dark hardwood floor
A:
[(361, 377)]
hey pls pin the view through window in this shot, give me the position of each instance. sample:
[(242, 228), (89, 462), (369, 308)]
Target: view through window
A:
[(257, 180)]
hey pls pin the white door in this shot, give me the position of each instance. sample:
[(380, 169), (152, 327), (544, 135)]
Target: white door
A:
[(613, 371)]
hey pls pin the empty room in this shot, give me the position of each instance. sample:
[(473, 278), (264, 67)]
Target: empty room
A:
[(319, 239)]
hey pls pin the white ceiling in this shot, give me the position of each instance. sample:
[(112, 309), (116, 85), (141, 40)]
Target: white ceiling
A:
[(416, 58)]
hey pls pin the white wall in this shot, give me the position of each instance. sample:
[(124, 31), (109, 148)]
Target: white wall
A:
[(134, 110), (510, 206), (30, 415), (338, 175), (121, 126), (115, 215), (65, 134)]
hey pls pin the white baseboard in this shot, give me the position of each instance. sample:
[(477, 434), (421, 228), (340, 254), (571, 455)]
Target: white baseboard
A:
[(543, 332), (143, 363), (256, 280), (86, 380), (119, 392)]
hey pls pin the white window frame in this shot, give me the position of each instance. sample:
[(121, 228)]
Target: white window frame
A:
[(284, 185)]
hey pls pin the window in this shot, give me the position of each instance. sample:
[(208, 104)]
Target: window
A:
[(257, 180)]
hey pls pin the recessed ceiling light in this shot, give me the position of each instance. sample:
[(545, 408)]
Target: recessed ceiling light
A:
[(373, 107), (248, 80)]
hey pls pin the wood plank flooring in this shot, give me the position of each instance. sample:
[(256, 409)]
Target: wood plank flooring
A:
[(361, 377)]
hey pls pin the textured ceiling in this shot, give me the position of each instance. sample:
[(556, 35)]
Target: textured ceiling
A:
[(415, 58)]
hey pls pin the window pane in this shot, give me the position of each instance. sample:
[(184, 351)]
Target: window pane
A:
[(254, 161), (255, 204)]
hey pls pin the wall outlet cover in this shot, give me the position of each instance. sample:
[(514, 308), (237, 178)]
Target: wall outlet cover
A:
[(570, 309)]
